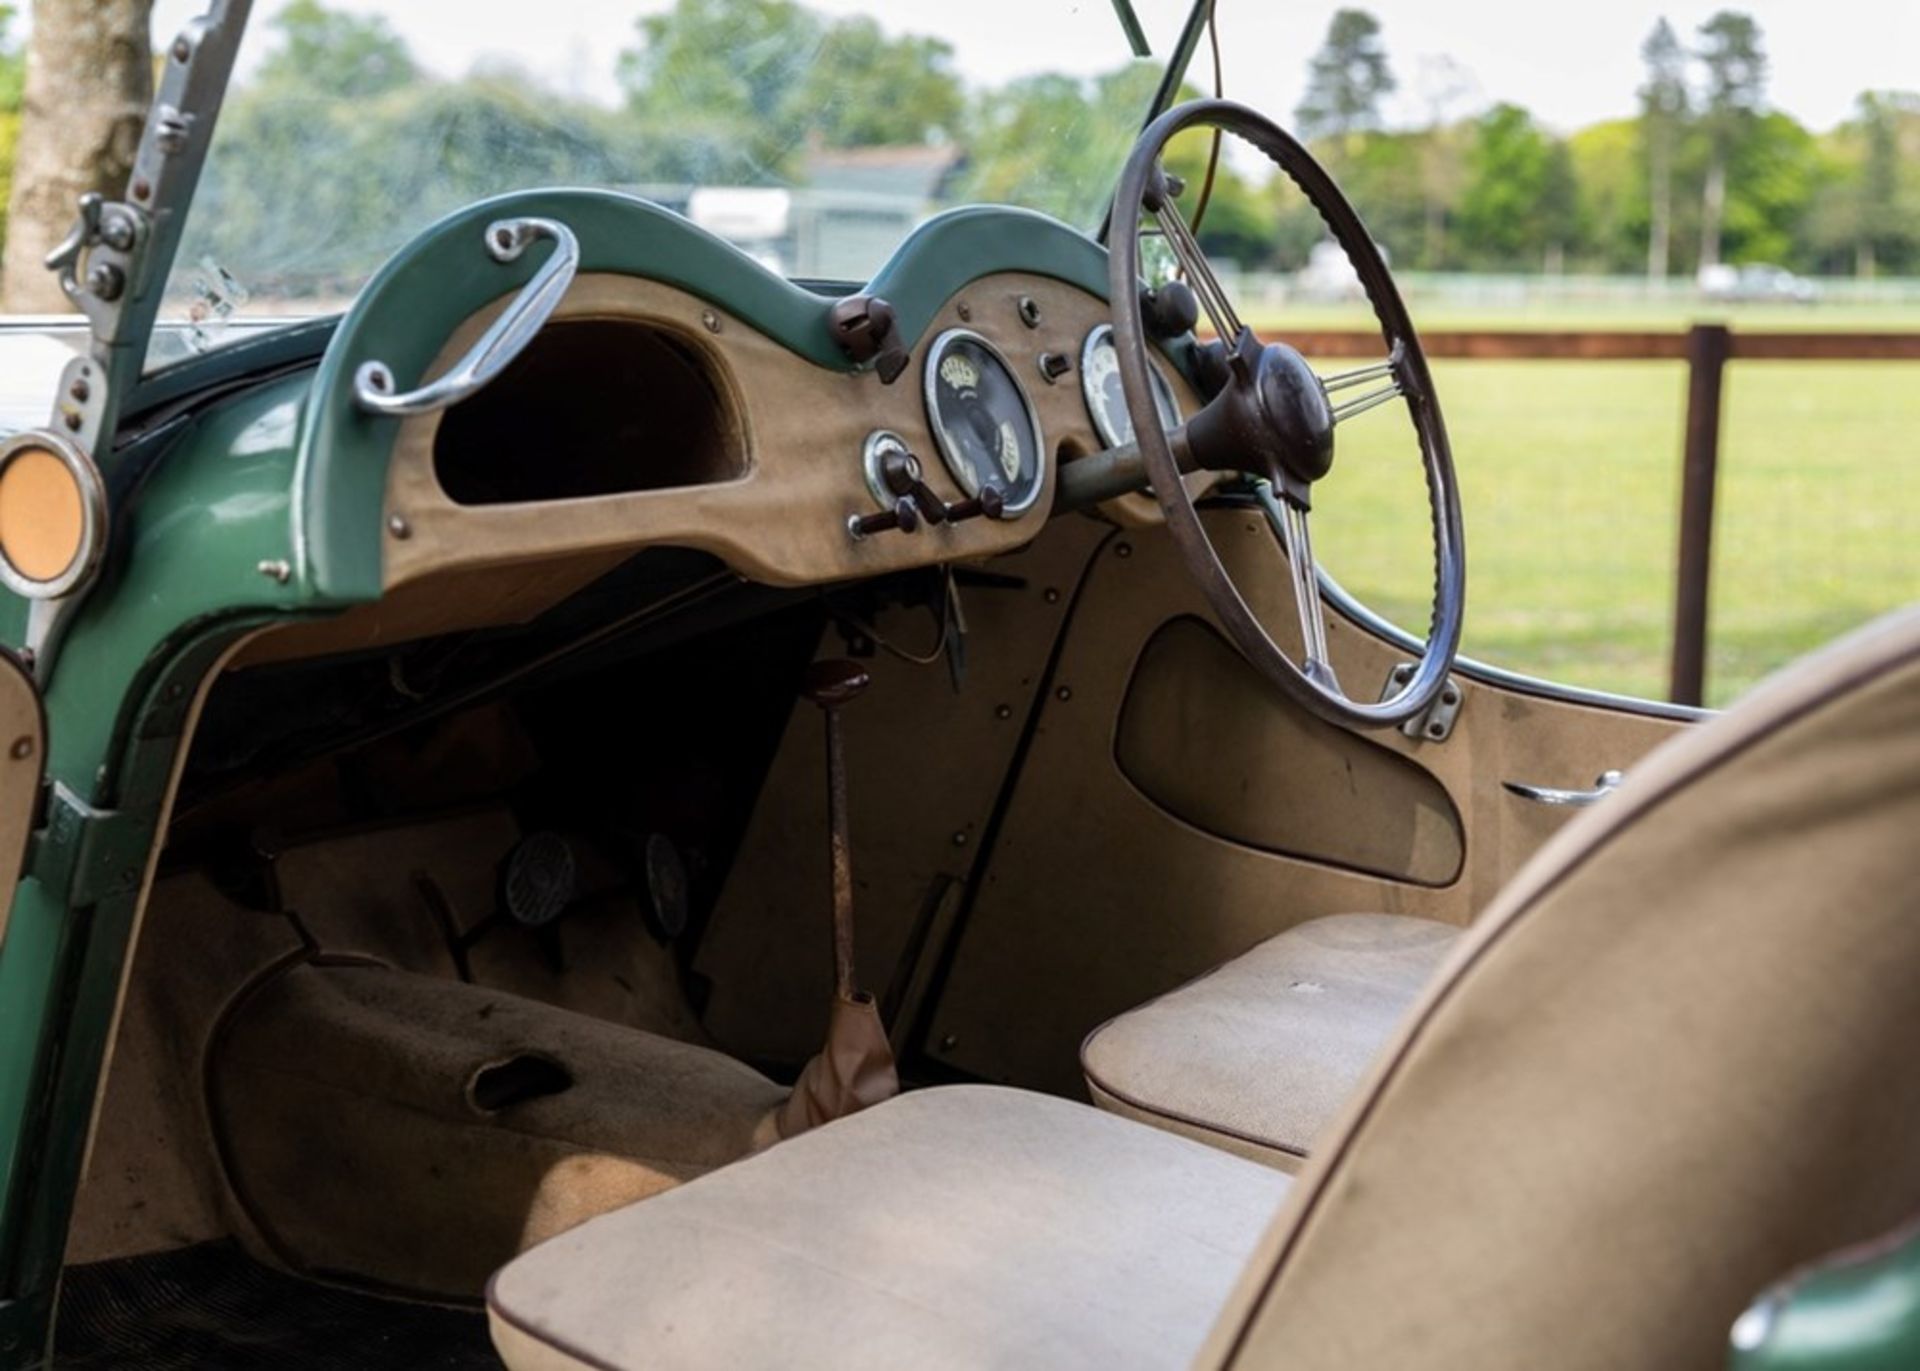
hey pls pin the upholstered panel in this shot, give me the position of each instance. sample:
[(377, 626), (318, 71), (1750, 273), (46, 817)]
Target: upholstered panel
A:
[(1258, 1056), (1206, 738), (1676, 1061), (420, 1132), (963, 1227)]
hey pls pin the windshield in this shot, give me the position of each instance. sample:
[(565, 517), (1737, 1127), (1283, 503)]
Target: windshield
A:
[(814, 136)]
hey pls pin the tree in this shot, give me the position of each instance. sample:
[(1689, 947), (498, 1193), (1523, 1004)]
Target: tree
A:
[(1882, 224), (13, 73), (1520, 199), (736, 90), (866, 89), (13, 70), (1736, 72), (1346, 80), (344, 56), (89, 80), (1051, 141), (1663, 115), (1447, 89)]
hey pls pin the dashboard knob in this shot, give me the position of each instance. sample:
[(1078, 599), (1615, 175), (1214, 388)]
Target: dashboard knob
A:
[(904, 516), (1171, 311)]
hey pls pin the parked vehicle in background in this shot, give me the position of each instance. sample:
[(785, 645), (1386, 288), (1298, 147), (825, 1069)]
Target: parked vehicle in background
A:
[(1757, 281)]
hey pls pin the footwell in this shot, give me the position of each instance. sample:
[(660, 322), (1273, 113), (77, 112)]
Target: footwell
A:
[(211, 1308)]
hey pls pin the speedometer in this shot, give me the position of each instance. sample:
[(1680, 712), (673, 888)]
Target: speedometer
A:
[(1107, 399), (982, 420)]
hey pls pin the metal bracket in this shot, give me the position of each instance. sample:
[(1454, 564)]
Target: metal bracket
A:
[(1434, 724), (83, 854), (112, 264)]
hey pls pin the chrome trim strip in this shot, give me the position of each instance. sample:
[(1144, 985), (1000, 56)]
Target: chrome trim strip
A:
[(1464, 665)]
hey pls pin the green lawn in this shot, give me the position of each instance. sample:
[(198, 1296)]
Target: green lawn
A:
[(1570, 477)]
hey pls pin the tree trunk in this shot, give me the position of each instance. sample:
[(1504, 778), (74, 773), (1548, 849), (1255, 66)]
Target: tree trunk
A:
[(89, 82), (1713, 205), (1660, 216)]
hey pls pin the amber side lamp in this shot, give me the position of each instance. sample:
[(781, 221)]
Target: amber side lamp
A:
[(52, 515)]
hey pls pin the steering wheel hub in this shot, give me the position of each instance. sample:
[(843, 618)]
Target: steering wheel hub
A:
[(1273, 417)]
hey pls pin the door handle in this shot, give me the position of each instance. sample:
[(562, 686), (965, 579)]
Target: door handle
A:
[(505, 338), (1604, 785)]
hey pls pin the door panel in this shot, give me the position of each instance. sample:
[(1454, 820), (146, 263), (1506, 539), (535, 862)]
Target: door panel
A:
[(1103, 891), (23, 750)]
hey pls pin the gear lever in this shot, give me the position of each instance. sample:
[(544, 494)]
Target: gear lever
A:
[(855, 1068)]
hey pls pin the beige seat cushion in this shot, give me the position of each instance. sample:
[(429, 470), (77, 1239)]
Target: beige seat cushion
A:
[(1672, 1061), (968, 1226), (1258, 1055)]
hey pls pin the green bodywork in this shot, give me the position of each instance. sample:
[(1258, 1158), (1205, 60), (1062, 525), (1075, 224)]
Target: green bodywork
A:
[(262, 506), (1857, 1312)]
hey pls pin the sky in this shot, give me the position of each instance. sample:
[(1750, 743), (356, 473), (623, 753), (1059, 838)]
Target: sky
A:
[(1571, 64)]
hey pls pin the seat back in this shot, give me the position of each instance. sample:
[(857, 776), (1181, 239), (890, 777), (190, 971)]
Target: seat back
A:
[(1679, 1055)]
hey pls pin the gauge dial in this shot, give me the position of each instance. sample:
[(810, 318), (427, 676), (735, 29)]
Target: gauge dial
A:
[(982, 420), (1107, 399)]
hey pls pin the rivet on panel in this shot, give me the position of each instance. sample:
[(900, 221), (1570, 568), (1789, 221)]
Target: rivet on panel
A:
[(398, 526), (710, 321), (960, 839), (948, 1043), (965, 311), (1123, 550), (1063, 694), (21, 750), (1050, 595), (1003, 711)]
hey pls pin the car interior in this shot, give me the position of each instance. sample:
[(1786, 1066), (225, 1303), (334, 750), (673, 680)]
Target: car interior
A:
[(802, 864)]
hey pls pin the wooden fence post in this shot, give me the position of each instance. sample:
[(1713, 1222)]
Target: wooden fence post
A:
[(1708, 346)]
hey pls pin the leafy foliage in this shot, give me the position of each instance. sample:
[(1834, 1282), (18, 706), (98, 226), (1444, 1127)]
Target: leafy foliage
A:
[(1346, 79), (759, 92)]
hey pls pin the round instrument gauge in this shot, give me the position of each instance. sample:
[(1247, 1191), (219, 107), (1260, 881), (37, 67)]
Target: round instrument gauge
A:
[(1107, 401), (982, 420)]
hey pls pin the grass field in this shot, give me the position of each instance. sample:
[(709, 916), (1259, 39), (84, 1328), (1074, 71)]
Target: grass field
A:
[(1570, 476)]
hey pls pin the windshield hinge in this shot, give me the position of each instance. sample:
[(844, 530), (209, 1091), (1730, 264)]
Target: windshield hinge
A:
[(83, 855)]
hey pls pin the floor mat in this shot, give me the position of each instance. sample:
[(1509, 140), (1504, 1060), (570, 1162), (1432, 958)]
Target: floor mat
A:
[(211, 1308)]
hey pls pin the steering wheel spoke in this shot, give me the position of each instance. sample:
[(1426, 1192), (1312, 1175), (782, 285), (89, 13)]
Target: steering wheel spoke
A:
[(1388, 371), (1213, 297), (1288, 520)]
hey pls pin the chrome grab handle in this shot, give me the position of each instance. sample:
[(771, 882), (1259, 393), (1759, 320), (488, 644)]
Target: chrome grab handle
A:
[(373, 383), (1603, 786)]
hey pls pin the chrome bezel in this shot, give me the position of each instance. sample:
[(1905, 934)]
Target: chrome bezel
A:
[(961, 471), (93, 515), (877, 444), (1163, 391)]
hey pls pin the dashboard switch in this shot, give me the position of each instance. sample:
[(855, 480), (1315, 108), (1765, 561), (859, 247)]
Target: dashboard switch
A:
[(864, 327)]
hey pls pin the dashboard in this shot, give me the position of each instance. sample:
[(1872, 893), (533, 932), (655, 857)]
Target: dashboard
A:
[(641, 416), (682, 395)]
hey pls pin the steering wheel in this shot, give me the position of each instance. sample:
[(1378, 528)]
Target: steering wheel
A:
[(1274, 419)]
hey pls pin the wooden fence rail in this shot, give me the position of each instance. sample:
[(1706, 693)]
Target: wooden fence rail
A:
[(1706, 349)]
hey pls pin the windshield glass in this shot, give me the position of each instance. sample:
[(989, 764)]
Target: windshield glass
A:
[(812, 135)]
